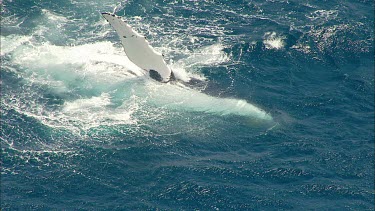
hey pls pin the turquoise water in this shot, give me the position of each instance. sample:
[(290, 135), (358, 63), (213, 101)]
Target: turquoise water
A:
[(283, 117)]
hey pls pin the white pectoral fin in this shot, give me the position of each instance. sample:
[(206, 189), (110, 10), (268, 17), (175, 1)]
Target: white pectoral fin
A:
[(138, 49)]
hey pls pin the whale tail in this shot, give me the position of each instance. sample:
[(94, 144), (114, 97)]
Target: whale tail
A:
[(139, 51)]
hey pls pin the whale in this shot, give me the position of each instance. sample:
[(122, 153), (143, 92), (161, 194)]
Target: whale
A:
[(139, 51), (168, 91)]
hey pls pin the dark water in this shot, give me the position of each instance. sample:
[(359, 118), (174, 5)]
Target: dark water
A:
[(78, 132)]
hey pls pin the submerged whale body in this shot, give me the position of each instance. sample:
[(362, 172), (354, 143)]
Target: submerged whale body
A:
[(176, 94)]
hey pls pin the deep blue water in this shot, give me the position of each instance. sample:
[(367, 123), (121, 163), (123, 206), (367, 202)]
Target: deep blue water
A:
[(77, 132)]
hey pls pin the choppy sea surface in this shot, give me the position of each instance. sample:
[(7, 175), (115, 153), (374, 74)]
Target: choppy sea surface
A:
[(283, 117)]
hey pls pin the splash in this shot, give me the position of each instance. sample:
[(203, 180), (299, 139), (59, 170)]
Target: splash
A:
[(97, 85), (272, 41)]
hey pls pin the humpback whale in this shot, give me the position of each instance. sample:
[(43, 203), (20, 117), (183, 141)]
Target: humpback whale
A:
[(142, 54)]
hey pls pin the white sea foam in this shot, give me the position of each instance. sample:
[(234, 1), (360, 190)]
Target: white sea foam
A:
[(186, 68), (54, 18), (96, 111), (100, 62), (272, 41), (210, 55), (12, 42), (302, 48), (91, 68), (324, 15)]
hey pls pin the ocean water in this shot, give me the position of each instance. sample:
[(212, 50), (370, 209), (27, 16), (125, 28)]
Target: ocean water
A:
[(283, 117)]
